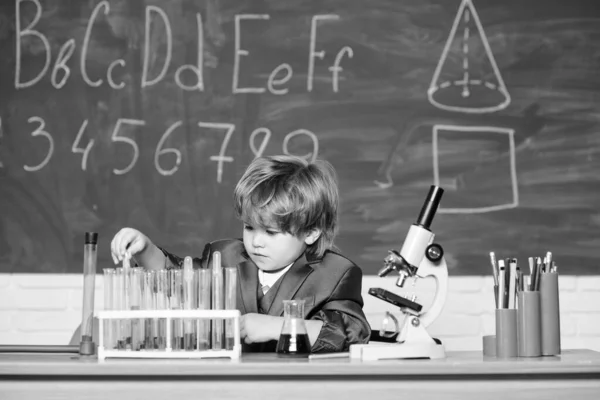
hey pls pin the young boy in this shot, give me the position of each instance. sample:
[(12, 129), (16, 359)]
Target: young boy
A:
[(289, 212)]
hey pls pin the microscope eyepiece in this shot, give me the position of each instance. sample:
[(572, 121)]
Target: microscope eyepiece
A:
[(430, 206)]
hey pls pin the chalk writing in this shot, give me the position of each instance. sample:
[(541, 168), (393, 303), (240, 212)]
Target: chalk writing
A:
[(61, 72), (221, 158), (267, 135), (123, 125), (163, 72), (485, 65), (39, 131), (312, 136), (116, 138), (510, 133), (28, 32), (160, 151), (85, 151)]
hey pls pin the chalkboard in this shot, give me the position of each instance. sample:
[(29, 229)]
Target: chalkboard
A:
[(145, 114)]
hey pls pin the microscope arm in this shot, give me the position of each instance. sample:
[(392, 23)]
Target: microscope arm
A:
[(439, 271)]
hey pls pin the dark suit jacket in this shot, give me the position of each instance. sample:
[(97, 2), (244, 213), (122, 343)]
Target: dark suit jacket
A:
[(330, 286)]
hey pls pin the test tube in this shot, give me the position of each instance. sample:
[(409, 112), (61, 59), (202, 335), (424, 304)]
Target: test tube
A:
[(109, 336), (230, 304), (175, 297), (161, 304), (217, 301), (90, 256), (149, 303), (135, 303), (118, 304), (203, 325), (125, 305), (188, 303)]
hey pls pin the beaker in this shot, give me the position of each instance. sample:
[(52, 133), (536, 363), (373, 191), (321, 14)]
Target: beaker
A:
[(293, 340)]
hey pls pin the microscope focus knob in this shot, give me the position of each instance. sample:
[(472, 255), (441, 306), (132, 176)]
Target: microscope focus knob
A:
[(434, 252)]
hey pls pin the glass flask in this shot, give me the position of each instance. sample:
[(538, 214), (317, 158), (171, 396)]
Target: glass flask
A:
[(293, 340)]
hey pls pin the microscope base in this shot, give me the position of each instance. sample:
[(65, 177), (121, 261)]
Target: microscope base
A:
[(389, 351)]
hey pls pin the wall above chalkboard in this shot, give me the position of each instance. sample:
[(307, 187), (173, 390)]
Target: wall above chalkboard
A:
[(145, 113)]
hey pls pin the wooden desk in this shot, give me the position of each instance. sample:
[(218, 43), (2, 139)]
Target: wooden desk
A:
[(462, 375)]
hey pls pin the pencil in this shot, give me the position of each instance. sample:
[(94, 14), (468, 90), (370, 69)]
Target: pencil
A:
[(512, 278), (494, 267), (501, 285)]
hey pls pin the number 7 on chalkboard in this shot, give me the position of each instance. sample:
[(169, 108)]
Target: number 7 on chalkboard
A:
[(221, 157)]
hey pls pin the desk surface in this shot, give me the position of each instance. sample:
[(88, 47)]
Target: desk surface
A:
[(571, 362), (462, 375)]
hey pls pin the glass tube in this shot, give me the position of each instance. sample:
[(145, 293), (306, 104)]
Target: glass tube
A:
[(230, 304), (203, 325), (135, 303), (162, 286), (126, 304), (188, 303), (175, 297), (217, 301), (149, 303), (109, 336), (90, 256), (118, 301)]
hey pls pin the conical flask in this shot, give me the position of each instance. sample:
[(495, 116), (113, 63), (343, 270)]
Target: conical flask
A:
[(293, 340)]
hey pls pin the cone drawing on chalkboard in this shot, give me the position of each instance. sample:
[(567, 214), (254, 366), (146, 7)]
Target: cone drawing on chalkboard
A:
[(467, 78)]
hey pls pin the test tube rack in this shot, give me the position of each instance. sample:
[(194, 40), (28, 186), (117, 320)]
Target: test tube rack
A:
[(169, 316)]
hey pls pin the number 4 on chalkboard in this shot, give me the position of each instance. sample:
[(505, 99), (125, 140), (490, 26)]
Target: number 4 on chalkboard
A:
[(85, 151)]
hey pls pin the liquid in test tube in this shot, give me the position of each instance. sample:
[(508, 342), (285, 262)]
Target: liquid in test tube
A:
[(230, 304), (135, 303), (189, 295), (109, 334), (119, 304), (149, 303), (175, 303), (217, 301), (161, 304), (203, 281)]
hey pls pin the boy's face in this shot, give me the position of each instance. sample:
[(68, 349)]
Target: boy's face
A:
[(272, 249)]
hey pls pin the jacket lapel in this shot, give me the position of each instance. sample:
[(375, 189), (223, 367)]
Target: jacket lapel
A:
[(290, 284), (247, 286)]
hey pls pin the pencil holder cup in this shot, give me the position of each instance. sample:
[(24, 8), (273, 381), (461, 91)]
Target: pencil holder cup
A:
[(506, 333), (550, 314), (489, 346), (529, 324)]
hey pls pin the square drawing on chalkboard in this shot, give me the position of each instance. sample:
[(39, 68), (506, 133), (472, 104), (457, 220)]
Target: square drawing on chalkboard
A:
[(476, 167)]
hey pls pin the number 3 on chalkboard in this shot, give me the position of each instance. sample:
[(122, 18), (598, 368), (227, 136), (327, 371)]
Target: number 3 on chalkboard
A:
[(41, 132)]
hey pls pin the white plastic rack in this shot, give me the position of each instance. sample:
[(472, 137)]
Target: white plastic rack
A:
[(169, 315)]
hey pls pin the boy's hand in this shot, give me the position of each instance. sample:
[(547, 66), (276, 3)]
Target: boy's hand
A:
[(128, 240), (258, 328)]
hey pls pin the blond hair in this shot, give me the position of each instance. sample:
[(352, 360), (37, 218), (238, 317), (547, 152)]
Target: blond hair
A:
[(291, 194)]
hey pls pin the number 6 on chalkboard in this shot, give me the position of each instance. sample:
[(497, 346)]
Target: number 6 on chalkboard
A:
[(116, 138), (160, 151)]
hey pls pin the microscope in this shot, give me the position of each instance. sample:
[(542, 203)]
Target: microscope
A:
[(418, 258)]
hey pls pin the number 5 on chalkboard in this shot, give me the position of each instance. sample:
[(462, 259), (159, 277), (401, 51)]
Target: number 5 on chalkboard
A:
[(116, 138)]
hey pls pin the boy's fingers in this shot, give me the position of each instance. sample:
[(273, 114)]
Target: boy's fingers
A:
[(134, 247)]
